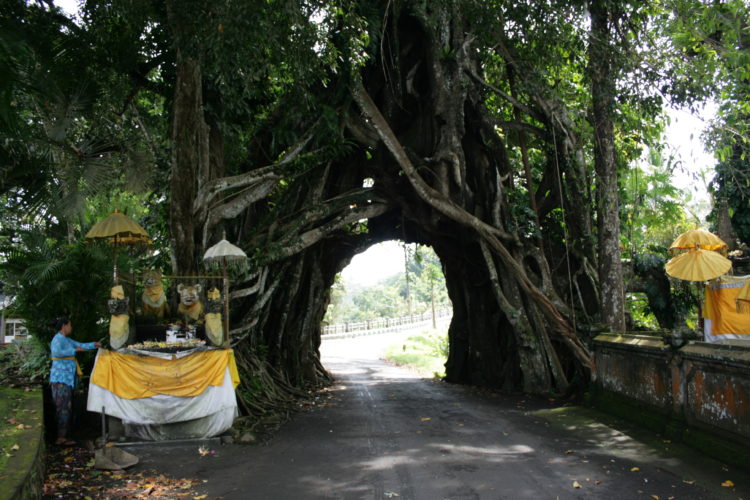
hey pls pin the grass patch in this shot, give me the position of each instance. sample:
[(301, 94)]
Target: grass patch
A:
[(19, 421), (425, 352)]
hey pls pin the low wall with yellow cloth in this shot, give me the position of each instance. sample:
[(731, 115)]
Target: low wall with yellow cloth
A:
[(132, 376), (188, 395)]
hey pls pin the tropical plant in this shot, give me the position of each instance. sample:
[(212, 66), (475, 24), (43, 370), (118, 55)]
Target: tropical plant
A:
[(49, 279)]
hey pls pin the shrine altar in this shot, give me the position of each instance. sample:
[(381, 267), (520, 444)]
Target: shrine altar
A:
[(166, 395)]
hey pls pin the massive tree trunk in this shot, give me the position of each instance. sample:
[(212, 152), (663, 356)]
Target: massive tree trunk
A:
[(190, 148), (458, 169), (611, 287), (189, 157)]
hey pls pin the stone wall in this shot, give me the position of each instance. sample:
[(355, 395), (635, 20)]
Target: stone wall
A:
[(696, 392)]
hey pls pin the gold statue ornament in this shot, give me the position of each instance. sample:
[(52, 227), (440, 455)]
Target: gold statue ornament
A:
[(154, 300), (119, 325), (214, 327), (191, 307)]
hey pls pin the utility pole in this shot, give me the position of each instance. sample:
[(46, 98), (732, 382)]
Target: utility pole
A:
[(432, 299), (408, 284)]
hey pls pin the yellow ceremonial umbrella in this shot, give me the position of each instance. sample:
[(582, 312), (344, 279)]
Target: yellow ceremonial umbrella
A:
[(698, 239), (698, 265), (118, 225), (118, 229)]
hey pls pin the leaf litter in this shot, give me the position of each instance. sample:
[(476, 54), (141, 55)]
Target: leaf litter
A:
[(70, 474)]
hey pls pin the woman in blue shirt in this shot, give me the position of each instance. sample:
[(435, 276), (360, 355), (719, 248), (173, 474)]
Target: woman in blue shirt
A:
[(64, 373)]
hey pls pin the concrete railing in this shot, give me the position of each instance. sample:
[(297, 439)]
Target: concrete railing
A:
[(385, 325), (698, 390)]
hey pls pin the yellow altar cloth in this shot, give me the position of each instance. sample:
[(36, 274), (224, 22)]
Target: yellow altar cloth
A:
[(721, 308), (131, 376)]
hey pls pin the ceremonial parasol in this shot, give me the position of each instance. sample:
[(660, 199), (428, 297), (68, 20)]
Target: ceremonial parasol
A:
[(223, 255), (698, 239), (698, 265), (118, 229)]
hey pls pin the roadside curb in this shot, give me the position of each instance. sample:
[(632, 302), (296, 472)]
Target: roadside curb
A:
[(23, 473)]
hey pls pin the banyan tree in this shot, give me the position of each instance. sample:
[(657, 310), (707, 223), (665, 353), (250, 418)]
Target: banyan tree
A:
[(307, 131)]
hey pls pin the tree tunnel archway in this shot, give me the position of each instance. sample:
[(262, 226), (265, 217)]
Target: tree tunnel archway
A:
[(446, 173)]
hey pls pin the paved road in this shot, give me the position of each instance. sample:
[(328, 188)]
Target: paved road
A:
[(386, 433)]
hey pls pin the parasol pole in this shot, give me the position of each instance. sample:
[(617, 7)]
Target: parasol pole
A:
[(226, 303), (701, 297), (114, 260)]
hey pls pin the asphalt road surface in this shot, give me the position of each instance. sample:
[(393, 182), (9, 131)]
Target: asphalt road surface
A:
[(382, 432)]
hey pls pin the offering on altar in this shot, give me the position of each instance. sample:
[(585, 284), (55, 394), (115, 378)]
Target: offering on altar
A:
[(180, 333), (168, 346)]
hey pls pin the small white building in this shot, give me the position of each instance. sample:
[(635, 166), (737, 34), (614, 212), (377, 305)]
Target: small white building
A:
[(13, 330)]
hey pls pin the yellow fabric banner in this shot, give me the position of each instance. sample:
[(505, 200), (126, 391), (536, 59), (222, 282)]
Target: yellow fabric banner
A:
[(721, 308), (131, 376)]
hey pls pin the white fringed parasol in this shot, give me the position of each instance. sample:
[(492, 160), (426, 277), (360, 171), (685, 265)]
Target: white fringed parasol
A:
[(223, 255)]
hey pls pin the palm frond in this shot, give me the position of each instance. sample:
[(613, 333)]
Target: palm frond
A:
[(44, 272)]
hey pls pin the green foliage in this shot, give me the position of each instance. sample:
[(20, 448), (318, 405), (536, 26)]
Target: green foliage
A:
[(425, 353), (49, 279), (669, 301), (66, 138), (25, 362), (712, 38), (388, 298), (652, 209), (638, 305)]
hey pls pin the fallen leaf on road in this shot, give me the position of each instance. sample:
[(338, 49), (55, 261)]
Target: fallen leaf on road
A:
[(425, 419), (568, 452), (576, 484), (597, 482), (635, 469), (688, 482), (655, 497), (391, 494), (201, 497), (727, 484)]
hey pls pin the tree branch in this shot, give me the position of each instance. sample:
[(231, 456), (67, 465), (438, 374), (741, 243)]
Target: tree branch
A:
[(211, 189), (313, 236), (434, 198)]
